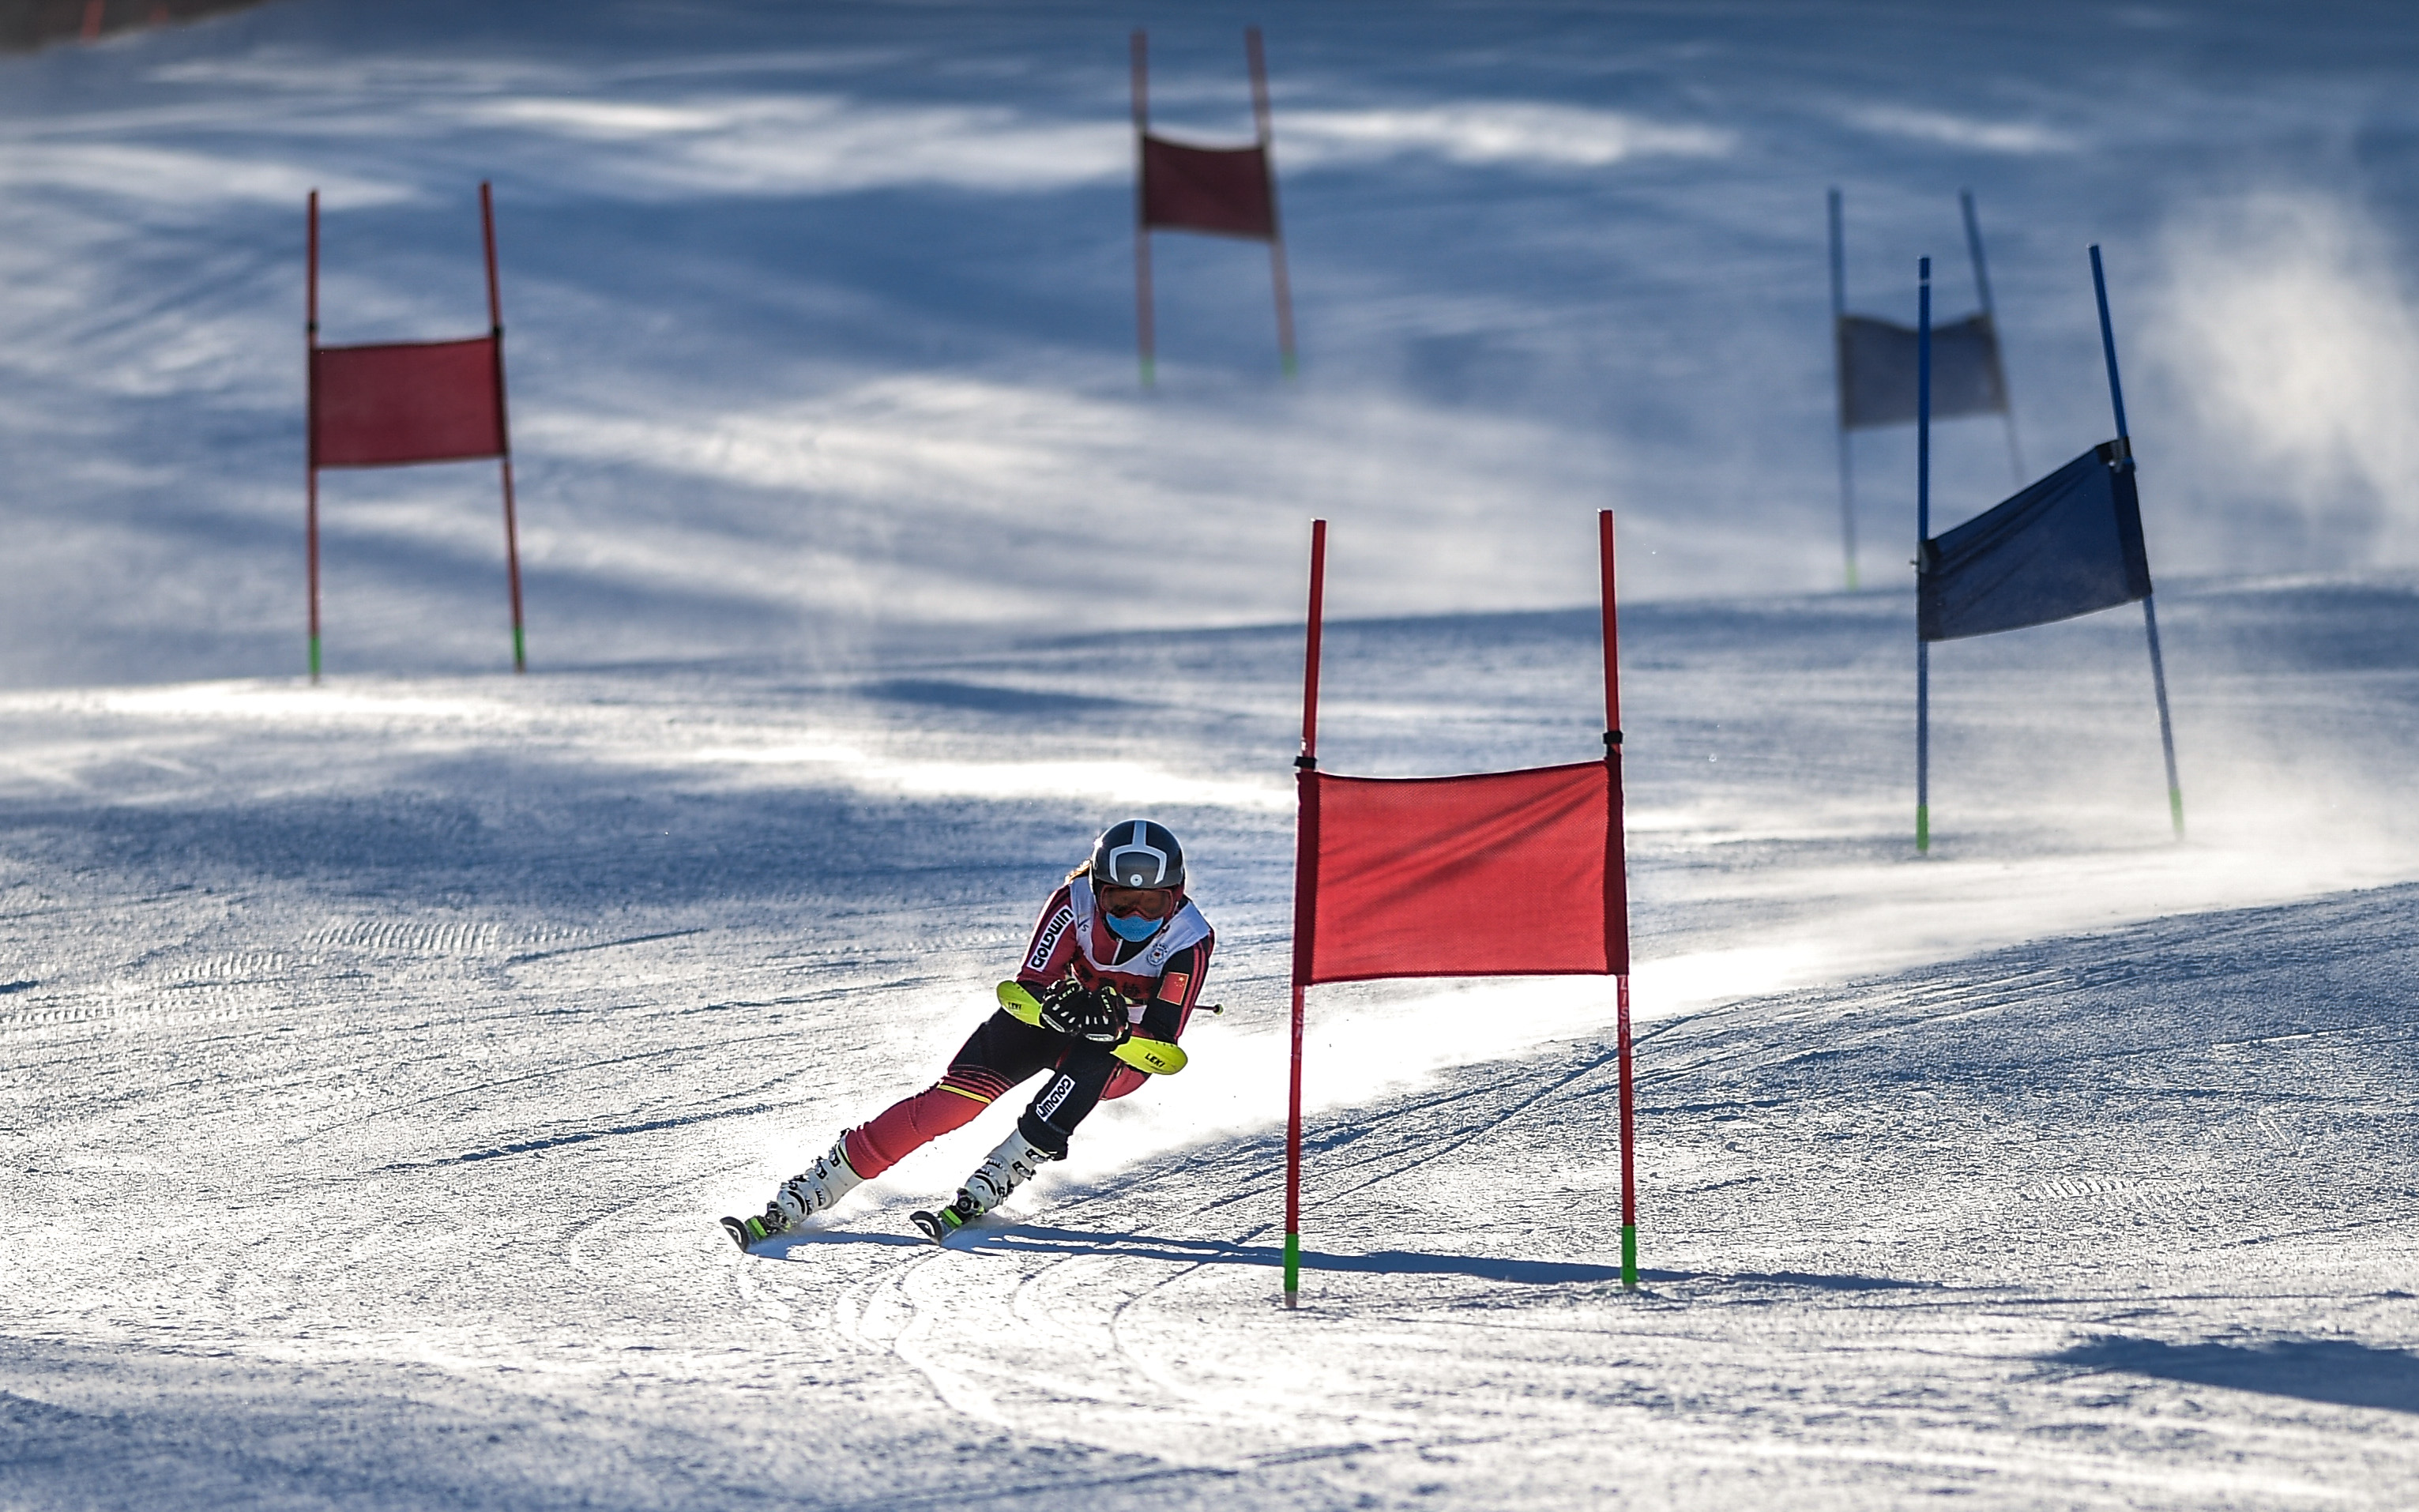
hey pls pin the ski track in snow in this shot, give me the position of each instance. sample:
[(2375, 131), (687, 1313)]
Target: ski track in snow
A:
[(379, 1063)]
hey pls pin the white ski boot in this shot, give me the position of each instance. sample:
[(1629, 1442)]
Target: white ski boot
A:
[(1002, 1172), (815, 1189)]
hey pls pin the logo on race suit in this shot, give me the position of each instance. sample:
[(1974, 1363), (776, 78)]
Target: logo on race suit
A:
[(1048, 944), (1164, 947), (1171, 990), (1054, 1098)]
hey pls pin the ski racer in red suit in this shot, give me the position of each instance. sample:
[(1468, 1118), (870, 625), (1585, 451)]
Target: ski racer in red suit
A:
[(1119, 952)]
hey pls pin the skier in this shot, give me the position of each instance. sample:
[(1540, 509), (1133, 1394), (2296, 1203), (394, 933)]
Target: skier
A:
[(1119, 954)]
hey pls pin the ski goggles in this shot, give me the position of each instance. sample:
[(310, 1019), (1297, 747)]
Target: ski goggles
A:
[(1139, 902)]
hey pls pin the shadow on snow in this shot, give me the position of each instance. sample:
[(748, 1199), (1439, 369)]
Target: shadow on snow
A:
[(2340, 1371), (1034, 1240)]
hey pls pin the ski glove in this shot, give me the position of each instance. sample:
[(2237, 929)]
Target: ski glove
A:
[(1071, 1008)]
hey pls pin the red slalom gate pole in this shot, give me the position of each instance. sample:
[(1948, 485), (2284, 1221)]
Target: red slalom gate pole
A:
[(504, 434), (311, 425), (1616, 907), (1143, 332), (1305, 901), (1262, 124), (1628, 1147)]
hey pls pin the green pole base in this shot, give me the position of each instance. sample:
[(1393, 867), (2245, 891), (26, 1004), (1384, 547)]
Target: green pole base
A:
[(1629, 1257), (314, 658), (1922, 830), (2175, 809), (1852, 577), (1150, 372), (1293, 1269), (1292, 368), (520, 652)]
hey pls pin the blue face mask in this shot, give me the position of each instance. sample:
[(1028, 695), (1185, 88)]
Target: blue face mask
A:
[(1132, 929)]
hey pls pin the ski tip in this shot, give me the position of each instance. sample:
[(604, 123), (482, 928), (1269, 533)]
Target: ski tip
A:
[(745, 1232), (937, 1226)]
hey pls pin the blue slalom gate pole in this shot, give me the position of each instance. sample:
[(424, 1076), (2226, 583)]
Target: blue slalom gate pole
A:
[(2149, 615), (1922, 540), (2108, 344), (2167, 730), (1998, 352), (1839, 382)]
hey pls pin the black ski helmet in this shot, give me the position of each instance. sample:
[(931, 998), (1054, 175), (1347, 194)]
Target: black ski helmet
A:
[(1135, 853)]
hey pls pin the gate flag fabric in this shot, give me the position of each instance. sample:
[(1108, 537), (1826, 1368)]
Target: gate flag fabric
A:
[(1877, 366), (434, 401), (2067, 545), (1498, 874), (1494, 874), (397, 403), (1878, 371), (1223, 191)]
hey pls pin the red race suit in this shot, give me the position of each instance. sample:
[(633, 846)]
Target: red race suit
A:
[(1160, 978)]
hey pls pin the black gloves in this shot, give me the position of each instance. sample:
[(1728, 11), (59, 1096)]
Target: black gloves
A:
[(1097, 1015)]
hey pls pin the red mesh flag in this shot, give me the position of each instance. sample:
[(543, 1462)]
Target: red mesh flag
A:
[(1221, 190), (1510, 874), (433, 401)]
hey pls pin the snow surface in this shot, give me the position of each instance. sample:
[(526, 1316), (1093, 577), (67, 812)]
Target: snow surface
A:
[(380, 1055), (374, 1057)]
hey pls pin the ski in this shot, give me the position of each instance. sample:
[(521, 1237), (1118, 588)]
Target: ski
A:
[(1158, 1057), (745, 1231), (938, 1226)]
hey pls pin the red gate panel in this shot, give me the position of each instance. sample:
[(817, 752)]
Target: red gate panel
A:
[(1219, 190), (426, 401), (1498, 874)]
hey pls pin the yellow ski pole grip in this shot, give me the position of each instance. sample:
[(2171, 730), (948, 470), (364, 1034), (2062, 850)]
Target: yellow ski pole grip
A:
[(1157, 1058)]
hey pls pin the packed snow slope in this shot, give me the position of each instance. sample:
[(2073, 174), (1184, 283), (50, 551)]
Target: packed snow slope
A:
[(822, 318), (378, 1056)]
